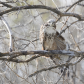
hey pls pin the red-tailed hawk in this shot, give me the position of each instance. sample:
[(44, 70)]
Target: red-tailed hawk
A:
[(51, 40)]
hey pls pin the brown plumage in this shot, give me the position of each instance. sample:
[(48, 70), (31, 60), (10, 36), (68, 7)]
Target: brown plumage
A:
[(51, 40)]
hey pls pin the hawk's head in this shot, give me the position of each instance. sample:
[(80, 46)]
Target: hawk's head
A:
[(51, 23), (50, 27)]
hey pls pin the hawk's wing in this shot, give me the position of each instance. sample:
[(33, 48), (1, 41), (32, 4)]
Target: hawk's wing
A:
[(61, 45), (60, 41)]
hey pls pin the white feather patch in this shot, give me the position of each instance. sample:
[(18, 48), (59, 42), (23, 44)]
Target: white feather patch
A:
[(50, 30)]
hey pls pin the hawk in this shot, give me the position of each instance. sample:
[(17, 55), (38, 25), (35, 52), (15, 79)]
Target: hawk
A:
[(51, 40)]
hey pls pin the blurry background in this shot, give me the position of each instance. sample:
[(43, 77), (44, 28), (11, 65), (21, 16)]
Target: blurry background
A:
[(25, 26)]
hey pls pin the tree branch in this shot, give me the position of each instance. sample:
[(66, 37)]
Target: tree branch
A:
[(73, 5), (14, 54), (45, 69), (11, 43), (55, 10), (5, 4), (43, 53)]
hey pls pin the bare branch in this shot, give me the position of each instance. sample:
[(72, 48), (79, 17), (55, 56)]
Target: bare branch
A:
[(55, 10), (73, 5), (11, 43), (17, 74), (43, 53), (67, 27), (59, 78), (10, 59), (45, 69), (5, 4)]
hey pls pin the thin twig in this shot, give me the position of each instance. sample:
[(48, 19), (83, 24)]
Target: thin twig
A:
[(5, 4), (59, 78), (67, 27), (73, 5)]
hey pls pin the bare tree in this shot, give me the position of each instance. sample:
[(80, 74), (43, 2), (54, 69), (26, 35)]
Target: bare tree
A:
[(22, 60)]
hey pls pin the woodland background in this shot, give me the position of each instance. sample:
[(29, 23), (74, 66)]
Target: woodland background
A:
[(22, 25)]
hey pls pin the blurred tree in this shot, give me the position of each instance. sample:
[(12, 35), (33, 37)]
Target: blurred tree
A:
[(22, 60)]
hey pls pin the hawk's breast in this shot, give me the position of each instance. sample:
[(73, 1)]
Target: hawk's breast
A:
[(50, 34), (50, 30)]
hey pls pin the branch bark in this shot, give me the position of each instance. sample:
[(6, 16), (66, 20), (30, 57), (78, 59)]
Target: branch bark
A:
[(43, 53), (14, 54), (11, 41), (55, 10)]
